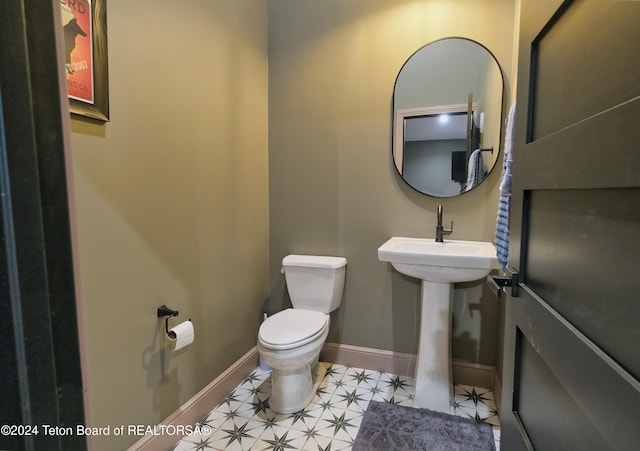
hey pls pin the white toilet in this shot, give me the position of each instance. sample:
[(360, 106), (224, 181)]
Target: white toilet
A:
[(290, 341)]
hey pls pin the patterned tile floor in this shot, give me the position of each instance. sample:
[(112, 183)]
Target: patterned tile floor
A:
[(243, 421)]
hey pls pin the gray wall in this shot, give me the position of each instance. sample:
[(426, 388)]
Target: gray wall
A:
[(427, 165), (171, 205), (332, 67)]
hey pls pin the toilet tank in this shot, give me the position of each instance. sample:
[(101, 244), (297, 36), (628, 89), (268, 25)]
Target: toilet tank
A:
[(315, 282)]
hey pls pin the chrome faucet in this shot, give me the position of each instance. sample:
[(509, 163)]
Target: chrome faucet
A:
[(440, 230)]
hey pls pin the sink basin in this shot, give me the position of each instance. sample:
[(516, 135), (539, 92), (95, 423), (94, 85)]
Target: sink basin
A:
[(438, 265), (447, 262)]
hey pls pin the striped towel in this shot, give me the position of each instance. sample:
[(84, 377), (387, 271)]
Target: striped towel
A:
[(476, 171), (502, 230), (504, 205)]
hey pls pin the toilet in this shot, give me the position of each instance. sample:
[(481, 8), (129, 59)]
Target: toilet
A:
[(291, 340)]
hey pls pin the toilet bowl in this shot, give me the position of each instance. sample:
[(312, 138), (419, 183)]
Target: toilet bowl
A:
[(293, 359), (291, 340)]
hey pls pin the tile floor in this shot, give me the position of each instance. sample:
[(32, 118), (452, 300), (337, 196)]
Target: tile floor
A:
[(243, 420)]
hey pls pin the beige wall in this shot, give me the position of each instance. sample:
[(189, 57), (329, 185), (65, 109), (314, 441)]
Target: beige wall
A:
[(171, 204), (333, 187)]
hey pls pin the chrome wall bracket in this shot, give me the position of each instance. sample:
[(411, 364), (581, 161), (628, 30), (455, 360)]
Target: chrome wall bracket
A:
[(509, 280)]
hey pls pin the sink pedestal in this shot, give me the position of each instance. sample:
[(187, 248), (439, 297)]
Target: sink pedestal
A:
[(438, 265), (434, 386)]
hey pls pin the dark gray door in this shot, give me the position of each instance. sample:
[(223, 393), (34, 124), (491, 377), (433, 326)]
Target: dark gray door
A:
[(40, 373), (572, 340)]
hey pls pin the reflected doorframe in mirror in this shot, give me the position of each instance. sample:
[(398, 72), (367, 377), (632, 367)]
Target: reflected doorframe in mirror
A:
[(402, 115), (437, 79)]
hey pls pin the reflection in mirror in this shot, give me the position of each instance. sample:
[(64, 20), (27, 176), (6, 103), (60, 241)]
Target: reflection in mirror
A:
[(447, 107)]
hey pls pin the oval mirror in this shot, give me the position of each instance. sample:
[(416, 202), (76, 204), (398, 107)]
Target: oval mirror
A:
[(447, 117)]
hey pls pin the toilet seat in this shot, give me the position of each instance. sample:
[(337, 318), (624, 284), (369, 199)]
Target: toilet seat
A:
[(292, 328)]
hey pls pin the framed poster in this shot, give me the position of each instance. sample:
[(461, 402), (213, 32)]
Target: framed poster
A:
[(84, 24)]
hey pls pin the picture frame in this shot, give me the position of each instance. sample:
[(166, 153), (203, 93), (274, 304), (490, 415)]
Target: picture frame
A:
[(86, 67)]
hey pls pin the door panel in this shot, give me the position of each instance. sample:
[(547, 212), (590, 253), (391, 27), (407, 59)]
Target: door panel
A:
[(543, 403), (40, 373), (605, 399), (588, 45), (571, 363), (573, 233)]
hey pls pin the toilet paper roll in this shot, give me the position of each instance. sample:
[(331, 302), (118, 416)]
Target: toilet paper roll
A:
[(182, 335)]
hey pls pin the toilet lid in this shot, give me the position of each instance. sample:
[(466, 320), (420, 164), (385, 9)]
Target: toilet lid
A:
[(292, 327)]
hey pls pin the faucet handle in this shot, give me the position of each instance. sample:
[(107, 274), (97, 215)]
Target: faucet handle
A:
[(448, 231)]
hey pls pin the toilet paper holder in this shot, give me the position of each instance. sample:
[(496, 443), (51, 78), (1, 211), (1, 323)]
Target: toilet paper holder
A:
[(166, 313)]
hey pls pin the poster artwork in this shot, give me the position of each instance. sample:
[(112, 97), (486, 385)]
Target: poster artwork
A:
[(78, 43)]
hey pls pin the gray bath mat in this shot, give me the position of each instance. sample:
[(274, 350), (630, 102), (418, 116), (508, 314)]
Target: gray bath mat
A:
[(390, 427)]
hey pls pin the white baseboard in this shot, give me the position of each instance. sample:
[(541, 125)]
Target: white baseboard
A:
[(203, 402), (465, 373), (369, 358)]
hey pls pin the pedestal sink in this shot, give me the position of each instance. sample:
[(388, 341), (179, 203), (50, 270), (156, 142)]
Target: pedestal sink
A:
[(438, 265)]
